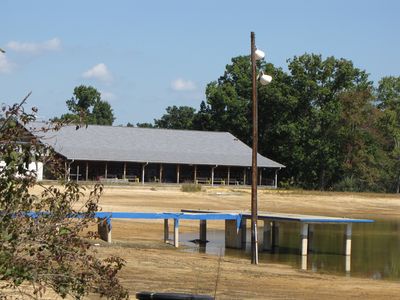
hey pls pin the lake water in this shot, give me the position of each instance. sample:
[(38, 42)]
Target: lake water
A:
[(375, 249)]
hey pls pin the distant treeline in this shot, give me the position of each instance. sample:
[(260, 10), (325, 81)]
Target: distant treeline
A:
[(323, 118)]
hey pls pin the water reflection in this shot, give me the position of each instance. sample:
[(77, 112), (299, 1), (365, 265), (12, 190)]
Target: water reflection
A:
[(375, 249)]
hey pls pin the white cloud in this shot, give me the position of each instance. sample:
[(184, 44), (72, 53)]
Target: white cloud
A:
[(100, 72), (35, 48), (180, 85), (5, 65)]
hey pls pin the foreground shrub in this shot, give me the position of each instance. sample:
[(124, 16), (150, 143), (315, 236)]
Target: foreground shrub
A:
[(191, 188), (42, 239)]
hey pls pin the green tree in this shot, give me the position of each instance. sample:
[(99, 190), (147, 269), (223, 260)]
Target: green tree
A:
[(145, 125), (86, 105), (40, 245), (102, 114), (228, 101), (316, 84), (176, 118), (388, 95), (202, 119), (363, 156)]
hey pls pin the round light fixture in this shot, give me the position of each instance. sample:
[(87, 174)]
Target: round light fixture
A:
[(265, 79), (259, 54)]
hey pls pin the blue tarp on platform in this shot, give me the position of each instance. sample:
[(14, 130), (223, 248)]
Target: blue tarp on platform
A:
[(170, 215)]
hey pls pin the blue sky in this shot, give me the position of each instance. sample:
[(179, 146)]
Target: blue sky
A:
[(146, 55)]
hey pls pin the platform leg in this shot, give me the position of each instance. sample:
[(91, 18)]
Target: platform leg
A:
[(243, 233), (304, 238), (233, 235), (267, 235), (104, 229), (275, 235), (203, 231), (311, 230), (347, 250), (304, 262), (348, 264), (176, 233), (166, 231)]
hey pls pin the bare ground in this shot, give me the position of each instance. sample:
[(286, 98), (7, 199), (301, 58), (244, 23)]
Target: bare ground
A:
[(155, 266)]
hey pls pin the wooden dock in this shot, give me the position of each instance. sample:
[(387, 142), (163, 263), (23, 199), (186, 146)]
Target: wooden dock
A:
[(272, 224), (104, 225), (235, 226)]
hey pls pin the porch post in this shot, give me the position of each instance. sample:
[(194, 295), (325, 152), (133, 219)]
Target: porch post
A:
[(124, 175), (161, 172), (276, 179), (87, 171), (143, 167), (260, 172), (229, 175), (69, 172), (77, 172), (244, 176), (177, 173), (105, 171), (195, 174), (212, 176)]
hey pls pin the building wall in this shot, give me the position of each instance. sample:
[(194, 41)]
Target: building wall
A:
[(36, 167)]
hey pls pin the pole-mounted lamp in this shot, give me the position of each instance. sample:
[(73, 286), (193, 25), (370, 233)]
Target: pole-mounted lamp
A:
[(256, 54)]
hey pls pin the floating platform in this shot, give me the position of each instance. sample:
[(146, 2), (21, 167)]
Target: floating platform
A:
[(235, 226)]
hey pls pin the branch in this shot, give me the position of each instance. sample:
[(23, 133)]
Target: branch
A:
[(18, 107)]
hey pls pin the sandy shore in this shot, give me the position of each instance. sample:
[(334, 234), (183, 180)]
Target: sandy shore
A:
[(154, 266)]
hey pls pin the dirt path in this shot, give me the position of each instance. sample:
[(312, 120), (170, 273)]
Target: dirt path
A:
[(154, 266)]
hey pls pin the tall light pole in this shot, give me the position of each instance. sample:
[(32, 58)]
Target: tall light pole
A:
[(256, 54)]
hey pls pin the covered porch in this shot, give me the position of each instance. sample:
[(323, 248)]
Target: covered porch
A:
[(142, 173)]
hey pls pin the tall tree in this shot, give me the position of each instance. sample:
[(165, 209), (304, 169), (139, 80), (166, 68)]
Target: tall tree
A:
[(228, 101), (388, 95), (362, 155), (102, 113), (87, 105), (317, 83)]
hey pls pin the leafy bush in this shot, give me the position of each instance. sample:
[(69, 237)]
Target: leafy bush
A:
[(348, 184), (191, 188), (42, 237)]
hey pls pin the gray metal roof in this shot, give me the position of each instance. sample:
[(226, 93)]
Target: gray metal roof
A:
[(132, 144)]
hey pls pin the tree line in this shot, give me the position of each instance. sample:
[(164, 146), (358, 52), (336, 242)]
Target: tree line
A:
[(322, 118)]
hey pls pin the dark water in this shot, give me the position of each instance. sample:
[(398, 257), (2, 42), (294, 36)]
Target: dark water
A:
[(375, 249)]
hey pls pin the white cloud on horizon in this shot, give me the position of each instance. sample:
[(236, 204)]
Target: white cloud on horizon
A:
[(35, 48), (5, 65), (181, 85), (100, 72)]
